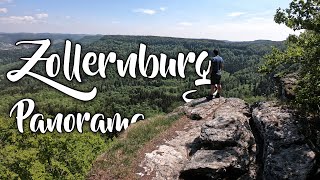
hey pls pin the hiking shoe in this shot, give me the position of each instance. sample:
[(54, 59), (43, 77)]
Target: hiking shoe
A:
[(217, 96), (210, 97)]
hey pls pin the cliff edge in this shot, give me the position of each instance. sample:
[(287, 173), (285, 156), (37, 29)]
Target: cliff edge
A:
[(226, 139)]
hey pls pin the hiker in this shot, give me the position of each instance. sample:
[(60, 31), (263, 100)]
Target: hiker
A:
[(215, 74)]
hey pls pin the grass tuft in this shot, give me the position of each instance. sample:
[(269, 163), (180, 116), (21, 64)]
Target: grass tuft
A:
[(117, 161)]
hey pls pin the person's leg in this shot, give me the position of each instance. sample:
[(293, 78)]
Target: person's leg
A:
[(210, 97), (213, 89), (219, 88)]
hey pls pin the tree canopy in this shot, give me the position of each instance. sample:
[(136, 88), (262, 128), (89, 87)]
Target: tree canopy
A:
[(302, 53)]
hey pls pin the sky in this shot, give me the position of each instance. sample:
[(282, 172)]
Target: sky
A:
[(234, 20)]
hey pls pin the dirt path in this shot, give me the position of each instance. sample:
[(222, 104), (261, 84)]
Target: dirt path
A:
[(180, 125), (167, 152)]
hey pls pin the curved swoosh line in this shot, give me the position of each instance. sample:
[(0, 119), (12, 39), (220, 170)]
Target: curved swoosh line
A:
[(83, 96), (184, 96)]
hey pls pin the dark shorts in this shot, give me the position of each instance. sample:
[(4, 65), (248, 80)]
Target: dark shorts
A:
[(215, 79)]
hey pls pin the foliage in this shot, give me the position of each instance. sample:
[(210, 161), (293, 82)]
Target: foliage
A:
[(300, 15), (117, 161), (69, 155), (46, 156), (302, 52)]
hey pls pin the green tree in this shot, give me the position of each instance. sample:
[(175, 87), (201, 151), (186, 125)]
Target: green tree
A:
[(302, 51)]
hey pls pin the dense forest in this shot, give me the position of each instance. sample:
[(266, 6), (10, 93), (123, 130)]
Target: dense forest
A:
[(69, 155)]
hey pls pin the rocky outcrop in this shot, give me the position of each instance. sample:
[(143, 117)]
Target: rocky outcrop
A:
[(169, 159), (226, 144), (286, 86), (224, 139), (286, 155)]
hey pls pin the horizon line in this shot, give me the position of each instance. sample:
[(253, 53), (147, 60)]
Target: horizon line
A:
[(191, 38)]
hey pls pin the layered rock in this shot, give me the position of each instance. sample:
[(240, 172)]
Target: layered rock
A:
[(286, 155), (168, 160), (201, 109), (286, 86), (219, 142), (227, 146)]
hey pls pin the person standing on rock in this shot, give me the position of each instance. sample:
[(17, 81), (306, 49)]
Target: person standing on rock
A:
[(215, 74)]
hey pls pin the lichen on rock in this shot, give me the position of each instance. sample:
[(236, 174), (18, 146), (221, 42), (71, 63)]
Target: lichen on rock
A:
[(230, 141)]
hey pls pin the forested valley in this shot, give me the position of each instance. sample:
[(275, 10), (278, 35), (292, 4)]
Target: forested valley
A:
[(70, 155)]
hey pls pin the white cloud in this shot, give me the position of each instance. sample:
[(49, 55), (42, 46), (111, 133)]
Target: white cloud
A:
[(236, 14), (41, 15), (145, 11), (267, 13), (3, 10), (163, 8), (115, 22), (37, 18), (5, 1), (185, 24), (235, 29), (17, 19), (239, 31), (68, 17), (250, 29), (257, 20)]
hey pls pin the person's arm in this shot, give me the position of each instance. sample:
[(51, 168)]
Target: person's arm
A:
[(221, 65)]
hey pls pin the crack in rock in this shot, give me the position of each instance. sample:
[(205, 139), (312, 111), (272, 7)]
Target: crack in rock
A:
[(227, 142)]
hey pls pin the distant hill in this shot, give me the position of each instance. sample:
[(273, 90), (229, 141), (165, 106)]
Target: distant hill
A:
[(12, 38), (8, 40)]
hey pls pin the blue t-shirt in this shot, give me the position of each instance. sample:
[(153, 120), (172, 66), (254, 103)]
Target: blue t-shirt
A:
[(216, 64)]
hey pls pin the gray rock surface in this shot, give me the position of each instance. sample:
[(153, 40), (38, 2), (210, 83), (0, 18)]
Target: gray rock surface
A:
[(201, 109), (166, 162), (169, 159), (228, 143), (220, 144), (286, 86), (285, 152), (215, 164)]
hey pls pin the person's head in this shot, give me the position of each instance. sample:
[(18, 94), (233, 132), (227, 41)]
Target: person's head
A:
[(216, 52)]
